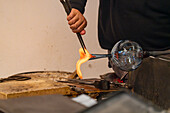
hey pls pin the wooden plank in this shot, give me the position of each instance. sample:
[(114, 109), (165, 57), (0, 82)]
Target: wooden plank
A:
[(41, 83)]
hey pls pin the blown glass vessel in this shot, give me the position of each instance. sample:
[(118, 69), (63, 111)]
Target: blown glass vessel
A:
[(127, 55)]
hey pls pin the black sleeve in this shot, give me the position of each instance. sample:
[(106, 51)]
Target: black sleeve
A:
[(78, 4)]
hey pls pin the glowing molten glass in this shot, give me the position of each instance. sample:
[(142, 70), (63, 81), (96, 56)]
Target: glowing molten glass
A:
[(84, 57)]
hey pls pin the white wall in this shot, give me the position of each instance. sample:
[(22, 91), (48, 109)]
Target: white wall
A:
[(34, 36)]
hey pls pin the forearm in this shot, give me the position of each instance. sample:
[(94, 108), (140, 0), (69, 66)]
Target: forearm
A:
[(78, 4)]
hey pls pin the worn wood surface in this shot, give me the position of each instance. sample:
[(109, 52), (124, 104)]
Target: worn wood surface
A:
[(45, 83), (41, 83)]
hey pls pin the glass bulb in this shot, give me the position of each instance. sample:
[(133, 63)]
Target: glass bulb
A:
[(127, 55)]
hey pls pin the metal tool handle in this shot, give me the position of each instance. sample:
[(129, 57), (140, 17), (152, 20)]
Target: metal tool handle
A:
[(67, 7), (81, 81), (76, 81)]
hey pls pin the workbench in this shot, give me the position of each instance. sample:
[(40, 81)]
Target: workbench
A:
[(45, 83)]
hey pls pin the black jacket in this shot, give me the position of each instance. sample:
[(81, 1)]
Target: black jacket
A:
[(146, 22)]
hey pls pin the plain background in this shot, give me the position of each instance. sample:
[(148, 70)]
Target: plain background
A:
[(35, 36)]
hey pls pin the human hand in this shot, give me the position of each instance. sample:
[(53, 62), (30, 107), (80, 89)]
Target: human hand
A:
[(77, 21)]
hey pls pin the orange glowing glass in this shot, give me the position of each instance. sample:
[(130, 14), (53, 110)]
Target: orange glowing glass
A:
[(84, 57)]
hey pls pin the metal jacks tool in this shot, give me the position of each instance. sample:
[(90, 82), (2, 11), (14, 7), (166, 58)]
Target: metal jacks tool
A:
[(67, 7)]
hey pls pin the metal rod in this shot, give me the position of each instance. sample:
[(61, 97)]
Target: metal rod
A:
[(81, 41), (97, 56), (155, 53), (67, 7)]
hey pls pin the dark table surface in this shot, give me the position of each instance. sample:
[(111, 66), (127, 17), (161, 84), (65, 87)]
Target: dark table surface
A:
[(40, 104)]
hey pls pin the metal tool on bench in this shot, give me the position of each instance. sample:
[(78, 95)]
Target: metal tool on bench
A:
[(100, 84), (67, 7), (15, 78)]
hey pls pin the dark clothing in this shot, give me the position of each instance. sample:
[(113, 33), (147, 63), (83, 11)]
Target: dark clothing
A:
[(146, 22)]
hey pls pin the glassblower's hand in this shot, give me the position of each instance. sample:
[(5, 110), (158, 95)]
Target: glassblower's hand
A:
[(77, 21)]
